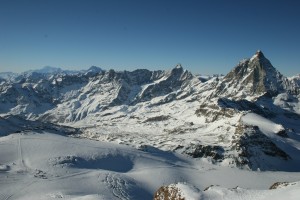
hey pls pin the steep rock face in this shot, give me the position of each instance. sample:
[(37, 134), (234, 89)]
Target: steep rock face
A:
[(253, 147), (93, 94), (253, 86), (129, 84), (37, 93), (245, 88), (251, 78), (169, 82)]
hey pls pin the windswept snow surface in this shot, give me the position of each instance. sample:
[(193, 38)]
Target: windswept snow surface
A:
[(50, 166)]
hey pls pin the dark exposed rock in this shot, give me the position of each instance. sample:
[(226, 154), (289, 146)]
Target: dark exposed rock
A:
[(282, 133), (173, 80), (278, 184), (181, 130), (204, 151), (213, 112), (244, 105), (252, 145), (157, 118), (168, 192), (255, 76)]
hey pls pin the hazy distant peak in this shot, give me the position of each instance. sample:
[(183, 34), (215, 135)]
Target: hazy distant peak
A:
[(95, 69), (8, 75), (48, 70)]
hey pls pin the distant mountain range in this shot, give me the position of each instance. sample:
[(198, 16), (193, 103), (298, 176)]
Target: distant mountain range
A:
[(47, 70), (247, 118)]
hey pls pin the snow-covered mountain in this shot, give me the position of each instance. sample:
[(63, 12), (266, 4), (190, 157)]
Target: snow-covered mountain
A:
[(7, 76), (247, 119), (252, 78), (211, 118)]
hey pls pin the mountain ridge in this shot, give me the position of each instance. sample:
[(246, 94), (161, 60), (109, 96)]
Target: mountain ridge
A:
[(171, 110)]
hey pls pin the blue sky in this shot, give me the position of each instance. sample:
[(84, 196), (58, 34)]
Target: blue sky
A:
[(205, 36)]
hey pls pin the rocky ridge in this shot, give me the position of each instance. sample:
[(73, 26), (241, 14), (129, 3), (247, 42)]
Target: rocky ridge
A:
[(170, 110)]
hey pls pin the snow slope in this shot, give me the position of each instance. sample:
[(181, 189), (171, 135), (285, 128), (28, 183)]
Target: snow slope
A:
[(265, 125), (248, 119), (286, 142), (50, 166), (170, 110)]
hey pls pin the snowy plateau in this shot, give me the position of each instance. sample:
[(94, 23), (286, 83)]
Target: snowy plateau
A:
[(97, 134)]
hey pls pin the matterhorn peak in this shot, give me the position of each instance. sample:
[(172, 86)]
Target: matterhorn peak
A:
[(258, 55), (254, 77)]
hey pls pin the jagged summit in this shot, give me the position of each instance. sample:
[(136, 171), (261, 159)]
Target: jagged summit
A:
[(168, 109), (178, 69), (260, 54), (252, 77), (178, 66)]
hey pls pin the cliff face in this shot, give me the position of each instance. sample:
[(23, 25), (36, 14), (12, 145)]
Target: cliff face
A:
[(252, 77)]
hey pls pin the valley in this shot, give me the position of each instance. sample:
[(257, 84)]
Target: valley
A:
[(97, 134)]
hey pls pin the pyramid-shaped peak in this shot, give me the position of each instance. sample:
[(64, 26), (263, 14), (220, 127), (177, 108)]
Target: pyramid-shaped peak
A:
[(254, 77), (259, 54)]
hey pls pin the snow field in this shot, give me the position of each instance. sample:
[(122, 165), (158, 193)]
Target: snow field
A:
[(48, 166)]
